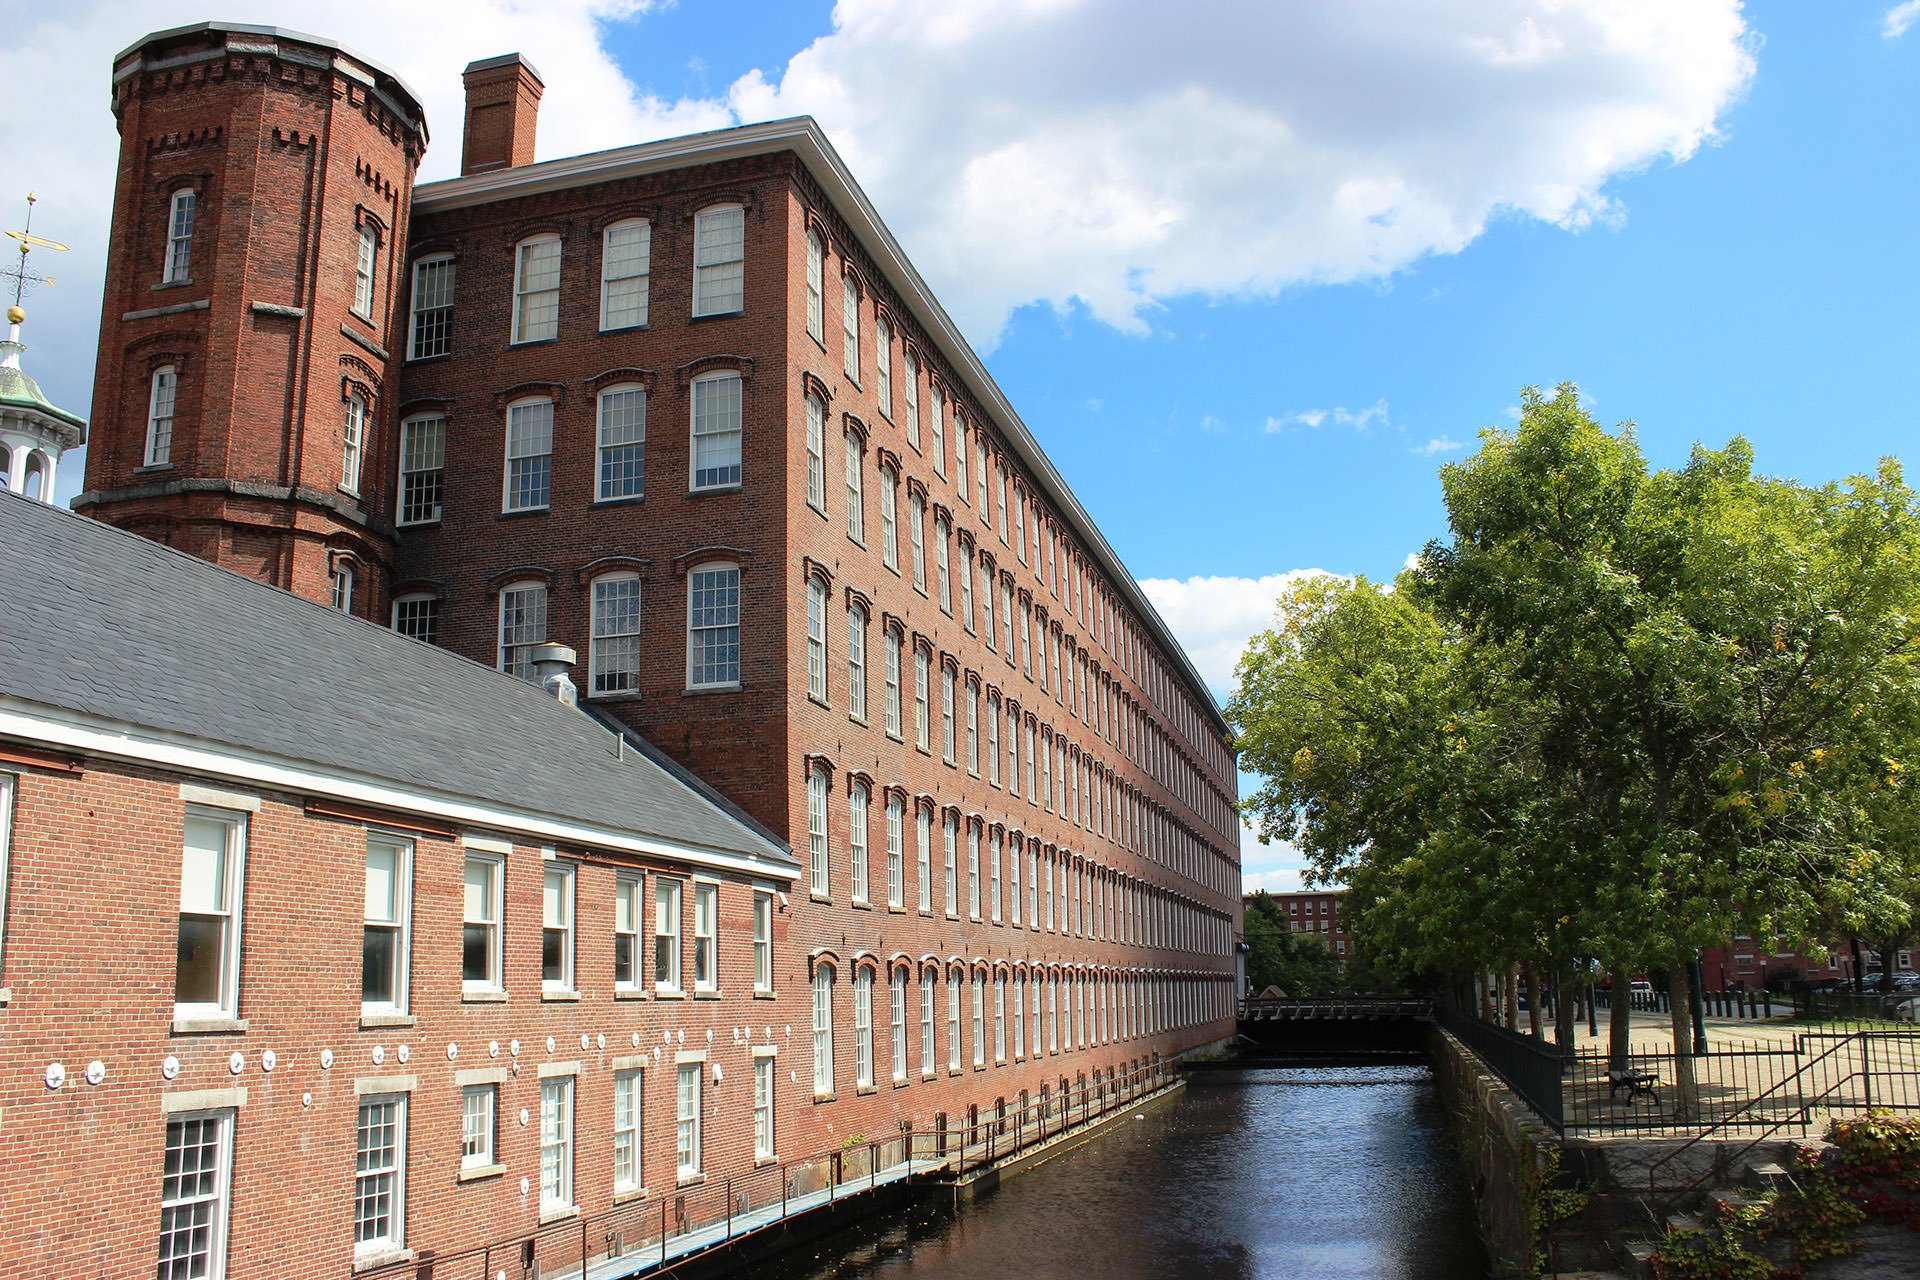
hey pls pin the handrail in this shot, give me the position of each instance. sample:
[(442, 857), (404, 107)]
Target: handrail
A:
[(1799, 1112), (950, 1149)]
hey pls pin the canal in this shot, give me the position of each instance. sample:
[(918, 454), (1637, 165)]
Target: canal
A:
[(1328, 1169)]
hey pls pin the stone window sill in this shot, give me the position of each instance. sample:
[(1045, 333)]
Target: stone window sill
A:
[(479, 1171), (370, 1021), (208, 1026)]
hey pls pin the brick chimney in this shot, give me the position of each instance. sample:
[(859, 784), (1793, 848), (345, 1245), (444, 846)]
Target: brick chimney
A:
[(503, 104)]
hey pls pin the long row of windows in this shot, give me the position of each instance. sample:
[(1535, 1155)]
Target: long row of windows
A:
[(212, 891), (1032, 1013), (1064, 893), (1059, 775), (977, 460), (626, 279), (196, 1190)]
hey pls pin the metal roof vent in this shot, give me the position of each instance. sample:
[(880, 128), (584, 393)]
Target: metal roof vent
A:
[(551, 663)]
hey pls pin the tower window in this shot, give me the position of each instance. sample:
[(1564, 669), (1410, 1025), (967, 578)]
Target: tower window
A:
[(179, 236)]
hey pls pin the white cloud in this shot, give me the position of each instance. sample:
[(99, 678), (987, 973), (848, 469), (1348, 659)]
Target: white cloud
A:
[(1898, 19), (1068, 151), (1213, 617), (1439, 445), (1359, 419)]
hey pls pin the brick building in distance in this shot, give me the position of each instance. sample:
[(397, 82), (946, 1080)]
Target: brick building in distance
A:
[(686, 409), (1316, 912)]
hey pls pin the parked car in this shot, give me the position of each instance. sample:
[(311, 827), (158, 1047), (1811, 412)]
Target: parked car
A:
[(1642, 989), (1905, 1011), (1905, 978)]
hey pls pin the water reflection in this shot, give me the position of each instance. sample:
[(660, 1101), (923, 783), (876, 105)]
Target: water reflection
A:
[(1321, 1170)]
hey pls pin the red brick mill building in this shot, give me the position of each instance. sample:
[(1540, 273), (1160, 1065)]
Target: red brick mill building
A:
[(888, 800)]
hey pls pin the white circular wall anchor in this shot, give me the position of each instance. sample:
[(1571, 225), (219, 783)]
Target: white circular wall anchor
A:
[(306, 1099), (169, 1067), (379, 1054), (96, 1071), (549, 1044), (269, 1060), (326, 1058), (523, 1124), (636, 1039), (493, 1048), (406, 1051), (600, 1040), (513, 1046), (453, 1051), (236, 1062), (585, 1041)]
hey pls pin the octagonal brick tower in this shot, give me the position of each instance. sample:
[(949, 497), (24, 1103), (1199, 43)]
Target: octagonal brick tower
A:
[(249, 337)]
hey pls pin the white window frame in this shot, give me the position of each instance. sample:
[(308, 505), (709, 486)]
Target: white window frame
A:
[(917, 538), (883, 365), (353, 441), (923, 856), (889, 517), (725, 430), (859, 817), (856, 447), (398, 923), (529, 322), (764, 1150), (816, 637), (929, 1000), (430, 308), (816, 453), (667, 958), (630, 902), (364, 265), (896, 854), (818, 789), (706, 935), (816, 285), (556, 1143), (922, 693), (493, 867), (526, 479), (231, 915), (857, 661), (626, 273), (891, 658), (850, 327), (937, 422), (711, 277), (695, 633), (911, 368), (163, 399), (219, 1198), (762, 941), (479, 1120), (950, 862), (863, 1027), (953, 1021), (516, 645), (620, 464), (897, 1020), (687, 1116), (559, 888), (342, 583), (395, 1237), (629, 1114), (421, 491), (613, 644), (182, 211), (822, 993)]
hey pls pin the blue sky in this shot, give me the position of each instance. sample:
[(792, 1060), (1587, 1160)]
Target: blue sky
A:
[(1314, 252)]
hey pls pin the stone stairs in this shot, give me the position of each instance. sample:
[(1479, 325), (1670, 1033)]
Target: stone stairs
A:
[(1760, 1181)]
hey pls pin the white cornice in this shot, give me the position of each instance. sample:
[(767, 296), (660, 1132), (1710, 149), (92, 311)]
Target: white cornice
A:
[(91, 735), (803, 136)]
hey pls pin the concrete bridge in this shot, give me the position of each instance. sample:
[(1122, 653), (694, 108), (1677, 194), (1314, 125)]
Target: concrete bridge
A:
[(1320, 1024)]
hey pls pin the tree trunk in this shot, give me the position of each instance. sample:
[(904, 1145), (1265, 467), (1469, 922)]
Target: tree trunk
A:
[(1679, 995), (1619, 1021), (1510, 996), (1485, 990), (1564, 1012), (1859, 969), (1535, 999)]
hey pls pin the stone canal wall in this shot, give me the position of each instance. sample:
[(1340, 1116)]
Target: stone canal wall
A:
[(1510, 1156)]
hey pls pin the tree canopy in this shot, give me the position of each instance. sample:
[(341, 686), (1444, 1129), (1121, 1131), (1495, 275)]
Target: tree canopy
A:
[(1618, 713)]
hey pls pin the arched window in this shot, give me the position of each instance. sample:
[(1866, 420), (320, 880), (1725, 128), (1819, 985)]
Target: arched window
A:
[(863, 1026), (716, 408), (621, 436), (614, 658), (179, 259), (160, 403), (850, 326), (859, 812), (416, 615), (719, 259), (896, 856), (523, 624), (536, 289), (857, 660), (822, 1029), (897, 1020), (713, 626), (626, 251), (816, 637), (353, 441), (817, 785), (816, 453), (816, 281)]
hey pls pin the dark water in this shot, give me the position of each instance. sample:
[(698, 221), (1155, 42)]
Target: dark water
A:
[(1326, 1172)]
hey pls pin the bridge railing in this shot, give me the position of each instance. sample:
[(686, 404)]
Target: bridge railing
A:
[(1287, 1008)]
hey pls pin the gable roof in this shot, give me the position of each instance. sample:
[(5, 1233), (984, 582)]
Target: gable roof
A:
[(105, 625)]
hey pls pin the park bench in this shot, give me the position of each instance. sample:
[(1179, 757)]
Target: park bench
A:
[(1636, 1083)]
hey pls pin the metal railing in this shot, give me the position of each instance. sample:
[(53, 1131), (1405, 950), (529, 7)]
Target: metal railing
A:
[(1291, 1008), (1531, 1067), (649, 1232)]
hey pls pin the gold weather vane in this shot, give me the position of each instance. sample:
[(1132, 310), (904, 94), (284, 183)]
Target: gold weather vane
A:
[(22, 278)]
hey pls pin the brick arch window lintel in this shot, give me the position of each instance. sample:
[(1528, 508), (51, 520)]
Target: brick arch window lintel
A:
[(523, 573), (536, 389), (601, 566), (613, 377), (738, 557), (720, 362), (811, 384), (855, 596)]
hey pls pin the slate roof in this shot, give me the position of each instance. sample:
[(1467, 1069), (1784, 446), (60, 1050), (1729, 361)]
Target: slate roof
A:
[(97, 620)]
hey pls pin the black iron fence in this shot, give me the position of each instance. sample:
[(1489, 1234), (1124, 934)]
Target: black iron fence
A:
[(1792, 1084)]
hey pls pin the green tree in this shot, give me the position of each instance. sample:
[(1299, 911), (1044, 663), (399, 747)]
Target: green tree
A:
[(1278, 957)]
